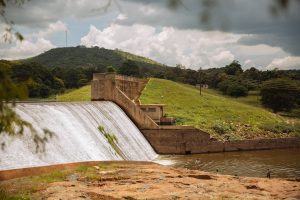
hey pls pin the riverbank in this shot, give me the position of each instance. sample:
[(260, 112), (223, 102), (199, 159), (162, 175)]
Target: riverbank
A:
[(126, 180)]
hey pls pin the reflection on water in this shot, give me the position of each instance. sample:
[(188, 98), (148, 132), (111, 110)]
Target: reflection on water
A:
[(281, 162)]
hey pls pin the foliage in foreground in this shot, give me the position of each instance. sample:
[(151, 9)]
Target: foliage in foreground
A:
[(10, 123)]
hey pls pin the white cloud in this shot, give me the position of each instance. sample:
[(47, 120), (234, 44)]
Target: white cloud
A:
[(26, 49), (288, 62), (34, 43), (261, 49), (121, 17), (248, 61), (193, 48), (52, 28)]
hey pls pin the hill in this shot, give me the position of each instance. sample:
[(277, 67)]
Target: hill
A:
[(81, 56), (223, 117)]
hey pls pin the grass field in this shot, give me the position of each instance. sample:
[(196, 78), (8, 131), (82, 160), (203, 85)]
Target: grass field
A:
[(81, 94), (223, 117)]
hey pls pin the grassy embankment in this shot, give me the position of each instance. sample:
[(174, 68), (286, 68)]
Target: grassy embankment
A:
[(221, 116)]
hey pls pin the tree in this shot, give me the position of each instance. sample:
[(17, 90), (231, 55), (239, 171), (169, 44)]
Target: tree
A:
[(237, 90), (110, 69), (233, 88), (252, 74), (233, 68), (130, 68), (280, 94), (10, 123)]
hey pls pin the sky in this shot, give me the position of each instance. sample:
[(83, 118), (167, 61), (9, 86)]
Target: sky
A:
[(195, 33)]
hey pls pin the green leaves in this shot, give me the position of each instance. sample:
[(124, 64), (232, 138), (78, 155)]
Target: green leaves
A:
[(10, 123), (280, 94)]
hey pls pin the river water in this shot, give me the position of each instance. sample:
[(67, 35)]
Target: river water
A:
[(284, 163)]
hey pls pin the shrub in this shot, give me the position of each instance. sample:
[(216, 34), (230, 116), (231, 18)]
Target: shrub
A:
[(278, 128), (82, 82), (280, 94), (232, 88), (237, 90), (222, 128), (110, 69)]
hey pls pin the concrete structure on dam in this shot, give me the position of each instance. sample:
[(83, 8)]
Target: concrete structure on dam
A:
[(159, 130)]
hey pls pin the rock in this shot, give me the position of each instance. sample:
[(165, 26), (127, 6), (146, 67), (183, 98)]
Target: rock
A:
[(200, 176), (254, 187)]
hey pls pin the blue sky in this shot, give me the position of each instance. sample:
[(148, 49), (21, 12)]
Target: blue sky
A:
[(237, 30)]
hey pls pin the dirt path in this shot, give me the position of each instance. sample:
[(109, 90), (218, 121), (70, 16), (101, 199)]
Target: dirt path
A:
[(125, 181)]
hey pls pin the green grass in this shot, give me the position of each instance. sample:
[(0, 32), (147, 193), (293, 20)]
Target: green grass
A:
[(81, 94), (52, 177), (221, 116), (5, 196)]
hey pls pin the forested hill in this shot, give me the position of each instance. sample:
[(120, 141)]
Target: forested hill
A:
[(96, 57)]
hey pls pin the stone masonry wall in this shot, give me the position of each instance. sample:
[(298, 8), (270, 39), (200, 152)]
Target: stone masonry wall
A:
[(193, 141), (124, 91)]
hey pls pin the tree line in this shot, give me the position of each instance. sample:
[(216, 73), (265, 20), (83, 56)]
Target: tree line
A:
[(279, 88)]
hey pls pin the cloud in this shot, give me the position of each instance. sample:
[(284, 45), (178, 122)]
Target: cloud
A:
[(240, 17), (248, 61), (26, 49), (289, 62), (52, 28), (151, 28), (192, 48), (39, 14), (34, 43)]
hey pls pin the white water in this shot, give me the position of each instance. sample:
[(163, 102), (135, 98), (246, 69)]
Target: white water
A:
[(77, 137)]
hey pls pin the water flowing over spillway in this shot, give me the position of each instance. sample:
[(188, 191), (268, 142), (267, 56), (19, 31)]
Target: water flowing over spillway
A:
[(76, 135)]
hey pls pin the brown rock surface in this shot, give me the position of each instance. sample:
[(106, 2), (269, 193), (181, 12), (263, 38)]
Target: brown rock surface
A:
[(143, 181)]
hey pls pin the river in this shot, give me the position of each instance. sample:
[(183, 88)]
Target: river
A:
[(283, 163)]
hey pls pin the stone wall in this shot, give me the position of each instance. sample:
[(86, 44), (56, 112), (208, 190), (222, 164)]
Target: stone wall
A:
[(178, 140), (124, 91)]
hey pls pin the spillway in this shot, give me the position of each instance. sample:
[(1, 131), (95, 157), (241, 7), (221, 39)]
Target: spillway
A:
[(76, 135)]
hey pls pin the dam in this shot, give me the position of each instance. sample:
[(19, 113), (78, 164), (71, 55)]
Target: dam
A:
[(76, 135), (113, 126)]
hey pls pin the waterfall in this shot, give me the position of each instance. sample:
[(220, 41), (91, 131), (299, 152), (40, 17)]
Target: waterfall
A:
[(76, 135)]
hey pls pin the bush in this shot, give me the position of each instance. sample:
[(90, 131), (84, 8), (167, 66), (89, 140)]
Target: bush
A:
[(83, 82), (222, 128), (110, 69), (233, 88), (278, 128), (280, 94), (295, 113), (236, 90)]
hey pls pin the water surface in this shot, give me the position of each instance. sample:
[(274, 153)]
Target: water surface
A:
[(284, 163)]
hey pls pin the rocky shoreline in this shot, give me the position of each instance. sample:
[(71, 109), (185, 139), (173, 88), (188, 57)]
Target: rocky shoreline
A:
[(125, 180)]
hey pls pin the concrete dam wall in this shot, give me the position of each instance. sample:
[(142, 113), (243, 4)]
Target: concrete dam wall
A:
[(165, 139), (77, 137)]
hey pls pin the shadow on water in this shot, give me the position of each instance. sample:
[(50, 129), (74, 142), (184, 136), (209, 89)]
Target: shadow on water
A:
[(283, 163)]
